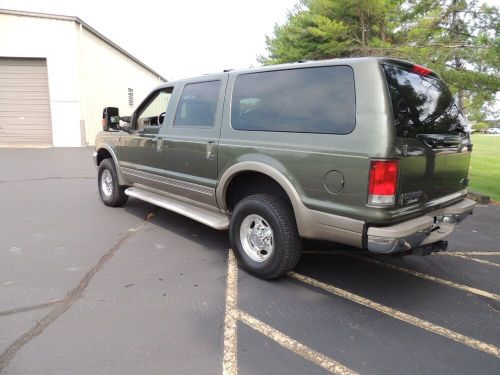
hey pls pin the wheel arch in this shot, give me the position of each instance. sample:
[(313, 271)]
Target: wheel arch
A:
[(264, 169), (105, 151)]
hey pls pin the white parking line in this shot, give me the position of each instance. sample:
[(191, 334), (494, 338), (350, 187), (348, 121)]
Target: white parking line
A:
[(410, 319), (230, 356), (469, 253), (477, 260), (435, 279), (232, 314), (295, 346)]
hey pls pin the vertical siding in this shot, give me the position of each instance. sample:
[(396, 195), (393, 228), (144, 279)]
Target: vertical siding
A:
[(106, 76)]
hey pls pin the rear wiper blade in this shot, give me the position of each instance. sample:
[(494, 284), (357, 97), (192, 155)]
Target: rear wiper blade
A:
[(440, 140)]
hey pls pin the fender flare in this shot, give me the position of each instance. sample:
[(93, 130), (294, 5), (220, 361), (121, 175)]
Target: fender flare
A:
[(121, 179), (276, 175)]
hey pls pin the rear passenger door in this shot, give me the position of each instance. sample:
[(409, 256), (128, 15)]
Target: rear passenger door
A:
[(192, 139)]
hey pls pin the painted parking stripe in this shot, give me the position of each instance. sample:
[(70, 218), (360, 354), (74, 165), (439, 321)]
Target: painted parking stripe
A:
[(421, 275), (425, 276), (231, 317), (475, 253), (410, 319), (230, 356), (477, 260), (289, 343)]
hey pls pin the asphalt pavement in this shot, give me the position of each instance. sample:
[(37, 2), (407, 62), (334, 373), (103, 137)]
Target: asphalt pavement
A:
[(89, 289)]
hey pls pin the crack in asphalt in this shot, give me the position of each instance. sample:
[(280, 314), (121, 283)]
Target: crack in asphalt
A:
[(8, 355), (30, 308), (48, 178)]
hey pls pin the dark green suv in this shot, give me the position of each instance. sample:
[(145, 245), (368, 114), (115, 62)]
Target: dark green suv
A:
[(368, 152)]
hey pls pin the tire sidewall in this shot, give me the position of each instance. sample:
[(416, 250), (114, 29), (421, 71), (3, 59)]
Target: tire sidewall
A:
[(243, 209), (107, 164)]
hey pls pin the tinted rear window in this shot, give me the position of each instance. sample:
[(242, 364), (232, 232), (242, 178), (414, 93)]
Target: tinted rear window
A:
[(198, 104), (307, 100), (421, 104)]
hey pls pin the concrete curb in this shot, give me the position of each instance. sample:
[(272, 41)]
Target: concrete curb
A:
[(478, 197)]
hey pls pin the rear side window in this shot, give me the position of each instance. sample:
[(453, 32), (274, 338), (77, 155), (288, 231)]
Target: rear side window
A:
[(198, 104), (421, 104), (306, 100)]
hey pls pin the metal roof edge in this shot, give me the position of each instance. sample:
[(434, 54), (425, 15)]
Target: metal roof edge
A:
[(87, 27)]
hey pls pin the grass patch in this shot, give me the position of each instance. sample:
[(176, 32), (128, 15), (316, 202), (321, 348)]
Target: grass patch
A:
[(484, 171)]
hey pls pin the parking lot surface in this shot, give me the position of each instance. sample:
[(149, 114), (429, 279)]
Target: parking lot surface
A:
[(88, 289)]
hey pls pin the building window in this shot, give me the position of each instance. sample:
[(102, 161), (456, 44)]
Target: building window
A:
[(131, 97)]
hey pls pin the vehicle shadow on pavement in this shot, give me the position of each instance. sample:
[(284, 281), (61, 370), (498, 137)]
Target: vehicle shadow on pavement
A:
[(329, 267), (346, 267), (201, 234)]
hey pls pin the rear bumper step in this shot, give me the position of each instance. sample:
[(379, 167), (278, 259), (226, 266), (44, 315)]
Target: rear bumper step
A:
[(421, 231), (211, 218)]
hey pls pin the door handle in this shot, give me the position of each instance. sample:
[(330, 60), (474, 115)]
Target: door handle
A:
[(159, 143), (210, 150)]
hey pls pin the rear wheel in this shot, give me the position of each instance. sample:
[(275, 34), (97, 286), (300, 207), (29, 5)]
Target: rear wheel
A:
[(264, 236), (111, 193)]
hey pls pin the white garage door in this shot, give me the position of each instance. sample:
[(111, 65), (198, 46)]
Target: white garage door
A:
[(24, 103)]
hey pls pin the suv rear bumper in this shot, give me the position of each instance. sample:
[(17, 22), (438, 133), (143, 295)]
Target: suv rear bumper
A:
[(424, 230)]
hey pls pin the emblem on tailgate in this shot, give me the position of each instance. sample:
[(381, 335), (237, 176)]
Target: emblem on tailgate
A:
[(410, 197)]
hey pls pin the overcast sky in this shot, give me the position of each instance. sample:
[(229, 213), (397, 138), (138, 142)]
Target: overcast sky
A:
[(177, 38)]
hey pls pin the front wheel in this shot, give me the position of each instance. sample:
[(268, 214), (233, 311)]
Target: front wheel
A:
[(111, 193), (264, 236)]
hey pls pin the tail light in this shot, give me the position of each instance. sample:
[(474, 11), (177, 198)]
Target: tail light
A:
[(423, 71), (383, 183)]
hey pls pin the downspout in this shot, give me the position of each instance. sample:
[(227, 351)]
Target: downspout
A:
[(83, 90)]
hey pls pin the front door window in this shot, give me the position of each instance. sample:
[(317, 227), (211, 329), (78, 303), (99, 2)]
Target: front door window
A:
[(154, 112)]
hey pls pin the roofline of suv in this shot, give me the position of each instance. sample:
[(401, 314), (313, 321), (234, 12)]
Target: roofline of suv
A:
[(295, 65)]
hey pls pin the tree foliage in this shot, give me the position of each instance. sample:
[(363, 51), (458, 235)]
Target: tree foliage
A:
[(459, 39)]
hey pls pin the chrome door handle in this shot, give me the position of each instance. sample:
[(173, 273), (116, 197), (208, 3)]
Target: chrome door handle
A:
[(159, 143), (210, 150)]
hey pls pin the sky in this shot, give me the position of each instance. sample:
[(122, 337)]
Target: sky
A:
[(177, 38)]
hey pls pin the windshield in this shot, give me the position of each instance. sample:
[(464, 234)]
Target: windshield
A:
[(421, 104)]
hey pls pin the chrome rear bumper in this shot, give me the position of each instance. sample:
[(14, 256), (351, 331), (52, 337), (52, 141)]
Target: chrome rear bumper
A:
[(424, 230)]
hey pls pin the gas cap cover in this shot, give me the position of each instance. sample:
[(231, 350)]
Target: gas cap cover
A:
[(334, 182)]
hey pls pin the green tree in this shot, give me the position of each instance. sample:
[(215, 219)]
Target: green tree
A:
[(318, 29), (459, 39), (481, 127)]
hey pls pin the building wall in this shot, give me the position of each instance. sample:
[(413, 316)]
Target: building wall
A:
[(55, 40), (106, 76), (85, 73)]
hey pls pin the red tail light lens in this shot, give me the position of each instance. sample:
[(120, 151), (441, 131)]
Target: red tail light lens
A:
[(421, 70), (383, 182)]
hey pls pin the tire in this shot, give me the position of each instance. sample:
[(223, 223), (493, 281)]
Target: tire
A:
[(251, 221), (111, 193)]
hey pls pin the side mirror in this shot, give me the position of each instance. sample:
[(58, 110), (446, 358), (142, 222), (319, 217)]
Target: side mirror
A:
[(110, 118)]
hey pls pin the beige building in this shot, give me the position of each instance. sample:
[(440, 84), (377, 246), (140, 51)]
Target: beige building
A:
[(56, 75)]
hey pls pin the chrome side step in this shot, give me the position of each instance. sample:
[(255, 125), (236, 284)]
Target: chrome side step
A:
[(213, 219)]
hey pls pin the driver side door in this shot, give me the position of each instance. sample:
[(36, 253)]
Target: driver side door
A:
[(142, 150)]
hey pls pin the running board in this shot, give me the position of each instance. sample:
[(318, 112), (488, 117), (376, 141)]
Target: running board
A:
[(211, 218)]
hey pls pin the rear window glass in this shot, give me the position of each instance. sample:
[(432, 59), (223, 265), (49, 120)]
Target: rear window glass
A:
[(307, 100), (421, 104)]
